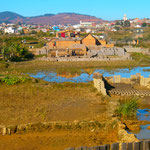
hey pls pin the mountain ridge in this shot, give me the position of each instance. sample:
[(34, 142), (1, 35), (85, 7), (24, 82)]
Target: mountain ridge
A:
[(48, 19)]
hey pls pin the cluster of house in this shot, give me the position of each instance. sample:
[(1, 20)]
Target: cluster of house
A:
[(85, 27), (69, 43), (26, 28)]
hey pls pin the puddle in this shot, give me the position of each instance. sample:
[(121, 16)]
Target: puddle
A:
[(144, 133), (143, 114)]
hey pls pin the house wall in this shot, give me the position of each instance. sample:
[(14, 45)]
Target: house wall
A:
[(109, 45), (89, 41), (51, 44), (103, 42), (66, 44)]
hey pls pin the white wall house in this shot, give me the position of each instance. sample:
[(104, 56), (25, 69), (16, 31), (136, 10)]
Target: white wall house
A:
[(86, 24), (10, 30)]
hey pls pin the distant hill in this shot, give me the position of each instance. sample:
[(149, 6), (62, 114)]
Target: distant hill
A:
[(10, 17), (49, 19)]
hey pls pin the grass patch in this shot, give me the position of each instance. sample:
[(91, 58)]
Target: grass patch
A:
[(128, 108), (11, 80), (72, 67), (141, 58)]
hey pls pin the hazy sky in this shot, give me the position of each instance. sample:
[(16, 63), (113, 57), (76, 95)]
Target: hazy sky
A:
[(105, 9)]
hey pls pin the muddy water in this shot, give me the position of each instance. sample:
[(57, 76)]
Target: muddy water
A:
[(144, 133), (51, 76)]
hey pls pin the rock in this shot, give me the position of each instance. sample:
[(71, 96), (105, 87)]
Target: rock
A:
[(8, 131), (122, 126), (4, 132), (133, 125), (21, 128), (1, 129), (148, 127), (12, 129), (35, 80), (123, 136)]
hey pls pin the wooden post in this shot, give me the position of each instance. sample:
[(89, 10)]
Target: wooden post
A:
[(95, 148), (130, 146), (107, 147), (71, 148), (102, 147), (84, 148), (115, 146), (136, 146), (78, 148), (124, 146), (146, 145), (141, 145)]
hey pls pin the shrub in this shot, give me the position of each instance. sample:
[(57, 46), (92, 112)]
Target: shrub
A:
[(14, 80), (128, 109)]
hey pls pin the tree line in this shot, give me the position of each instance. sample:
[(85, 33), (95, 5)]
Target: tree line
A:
[(12, 49)]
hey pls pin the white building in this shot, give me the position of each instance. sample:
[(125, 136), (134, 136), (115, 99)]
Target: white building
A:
[(86, 24), (125, 17), (76, 26), (10, 30)]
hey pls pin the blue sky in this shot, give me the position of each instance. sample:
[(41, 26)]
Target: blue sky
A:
[(105, 9)]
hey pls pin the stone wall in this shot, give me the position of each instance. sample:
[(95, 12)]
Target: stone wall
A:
[(104, 51), (40, 51), (145, 82), (78, 59), (134, 79), (131, 49), (99, 83)]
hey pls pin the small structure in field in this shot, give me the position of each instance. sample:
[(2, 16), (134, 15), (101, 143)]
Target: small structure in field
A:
[(99, 83)]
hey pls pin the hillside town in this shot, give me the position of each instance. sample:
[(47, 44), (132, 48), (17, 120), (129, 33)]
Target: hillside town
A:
[(82, 26), (86, 40)]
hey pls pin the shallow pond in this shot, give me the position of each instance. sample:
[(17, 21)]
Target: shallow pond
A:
[(143, 115), (51, 76)]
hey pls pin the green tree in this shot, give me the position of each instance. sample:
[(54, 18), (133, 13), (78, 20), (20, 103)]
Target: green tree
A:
[(144, 24), (13, 51), (127, 23)]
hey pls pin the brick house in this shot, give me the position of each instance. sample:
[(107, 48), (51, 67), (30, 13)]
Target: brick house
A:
[(77, 46), (90, 40)]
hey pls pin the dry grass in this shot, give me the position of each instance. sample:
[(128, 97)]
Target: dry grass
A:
[(35, 102), (72, 67)]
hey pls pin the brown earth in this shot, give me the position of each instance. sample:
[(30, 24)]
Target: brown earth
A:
[(56, 140), (44, 102)]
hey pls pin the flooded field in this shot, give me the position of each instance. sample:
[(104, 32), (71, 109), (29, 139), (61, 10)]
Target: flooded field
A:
[(84, 76)]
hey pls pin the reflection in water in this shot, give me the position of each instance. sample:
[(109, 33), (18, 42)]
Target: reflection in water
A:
[(143, 115), (87, 76), (144, 132)]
